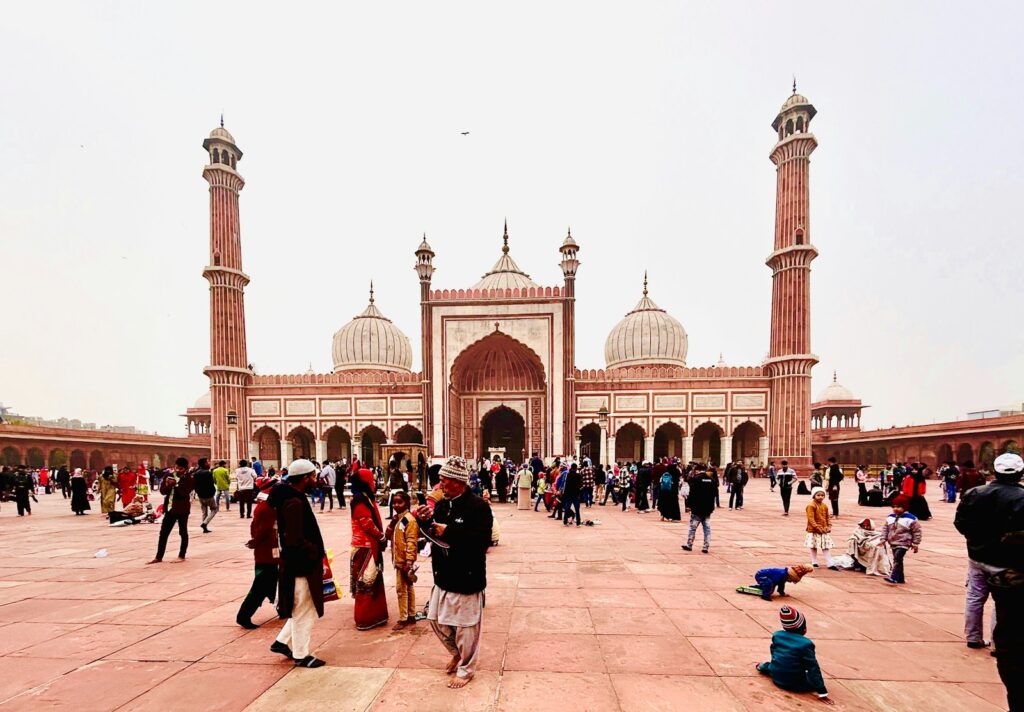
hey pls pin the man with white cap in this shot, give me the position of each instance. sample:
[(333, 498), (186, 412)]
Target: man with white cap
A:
[(991, 518), (461, 525), (300, 598)]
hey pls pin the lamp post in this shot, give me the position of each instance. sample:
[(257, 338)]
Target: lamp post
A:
[(602, 420)]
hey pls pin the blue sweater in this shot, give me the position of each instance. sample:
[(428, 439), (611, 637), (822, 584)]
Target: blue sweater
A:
[(794, 666), (776, 576)]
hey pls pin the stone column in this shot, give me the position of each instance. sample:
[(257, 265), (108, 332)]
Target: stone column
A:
[(687, 448), (232, 444), (762, 451), (648, 453), (725, 450), (254, 452), (321, 451), (286, 452), (610, 449), (603, 450)]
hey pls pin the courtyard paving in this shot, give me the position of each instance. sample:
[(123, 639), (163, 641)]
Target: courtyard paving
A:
[(610, 617)]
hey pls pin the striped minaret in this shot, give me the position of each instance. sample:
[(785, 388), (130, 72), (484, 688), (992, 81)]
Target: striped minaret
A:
[(228, 371), (789, 358)]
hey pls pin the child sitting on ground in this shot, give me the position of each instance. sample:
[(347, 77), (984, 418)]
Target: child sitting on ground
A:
[(768, 580), (793, 666), (901, 531)]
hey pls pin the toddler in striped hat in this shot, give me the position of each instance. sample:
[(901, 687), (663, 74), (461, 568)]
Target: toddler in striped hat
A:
[(794, 666)]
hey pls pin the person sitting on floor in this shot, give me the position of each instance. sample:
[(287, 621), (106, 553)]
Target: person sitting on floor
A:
[(867, 548), (794, 666)]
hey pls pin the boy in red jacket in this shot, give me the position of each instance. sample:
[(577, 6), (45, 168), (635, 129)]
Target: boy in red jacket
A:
[(264, 545)]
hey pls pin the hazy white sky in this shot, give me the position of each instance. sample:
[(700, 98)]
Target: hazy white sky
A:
[(644, 126)]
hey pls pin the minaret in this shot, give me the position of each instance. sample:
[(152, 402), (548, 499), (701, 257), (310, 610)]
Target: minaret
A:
[(789, 358), (229, 363), (570, 263), (425, 271)]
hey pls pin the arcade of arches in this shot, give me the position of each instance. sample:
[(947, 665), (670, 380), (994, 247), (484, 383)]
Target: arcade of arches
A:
[(496, 399), (708, 443), (981, 449)]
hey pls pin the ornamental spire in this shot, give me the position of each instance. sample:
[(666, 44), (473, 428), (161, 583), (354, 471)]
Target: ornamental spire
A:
[(504, 247), (371, 291), (645, 283), (794, 84)]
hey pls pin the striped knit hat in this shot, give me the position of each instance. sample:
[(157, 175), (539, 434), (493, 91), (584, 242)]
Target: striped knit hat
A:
[(455, 469), (792, 619)]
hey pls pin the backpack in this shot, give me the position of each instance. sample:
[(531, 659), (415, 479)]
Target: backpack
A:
[(666, 482)]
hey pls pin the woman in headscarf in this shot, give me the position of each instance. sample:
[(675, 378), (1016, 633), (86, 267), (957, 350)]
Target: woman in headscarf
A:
[(79, 493), (367, 563), (126, 481), (668, 500), (868, 550), (914, 487), (108, 490)]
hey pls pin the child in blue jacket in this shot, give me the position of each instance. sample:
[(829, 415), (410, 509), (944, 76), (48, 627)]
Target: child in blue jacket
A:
[(768, 580), (794, 666)]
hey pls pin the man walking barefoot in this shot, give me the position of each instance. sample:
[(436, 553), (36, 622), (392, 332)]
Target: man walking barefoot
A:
[(461, 524)]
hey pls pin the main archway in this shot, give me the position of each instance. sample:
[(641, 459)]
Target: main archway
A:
[(494, 375), (504, 430)]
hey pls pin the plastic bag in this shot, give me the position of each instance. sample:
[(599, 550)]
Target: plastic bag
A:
[(330, 589)]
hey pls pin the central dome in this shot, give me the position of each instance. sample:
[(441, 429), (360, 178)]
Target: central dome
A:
[(505, 274), (371, 342), (648, 335), (835, 392)]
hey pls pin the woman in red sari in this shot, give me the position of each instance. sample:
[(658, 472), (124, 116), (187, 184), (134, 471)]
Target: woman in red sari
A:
[(368, 544), (126, 480)]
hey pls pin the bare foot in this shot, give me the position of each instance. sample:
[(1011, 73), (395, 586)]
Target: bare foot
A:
[(154, 561), (453, 665), (456, 682)]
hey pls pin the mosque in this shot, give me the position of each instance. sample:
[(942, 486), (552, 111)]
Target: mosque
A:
[(498, 373)]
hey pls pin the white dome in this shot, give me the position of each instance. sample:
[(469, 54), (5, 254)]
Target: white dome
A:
[(371, 342), (223, 134), (835, 392), (647, 335), (505, 274), (203, 402)]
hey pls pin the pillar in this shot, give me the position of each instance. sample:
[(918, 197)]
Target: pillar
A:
[(762, 451), (648, 454), (610, 450), (687, 449), (725, 450), (321, 451), (286, 452), (603, 455), (254, 451)]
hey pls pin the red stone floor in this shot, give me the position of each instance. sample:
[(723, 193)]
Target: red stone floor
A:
[(610, 617)]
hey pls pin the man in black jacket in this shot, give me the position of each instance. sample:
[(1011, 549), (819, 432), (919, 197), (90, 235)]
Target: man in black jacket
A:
[(571, 494), (991, 518), (300, 597), (460, 525), (702, 503), (206, 493), (835, 478)]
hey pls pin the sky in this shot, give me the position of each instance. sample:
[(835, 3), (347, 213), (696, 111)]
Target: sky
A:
[(645, 127)]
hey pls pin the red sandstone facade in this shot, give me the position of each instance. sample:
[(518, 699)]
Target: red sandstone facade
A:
[(92, 449), (498, 360)]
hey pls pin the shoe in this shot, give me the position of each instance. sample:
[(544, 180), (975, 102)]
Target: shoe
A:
[(281, 648), (703, 551), (310, 662), (814, 565), (976, 644), (833, 568), (687, 547), (246, 623), (204, 528), (889, 580)]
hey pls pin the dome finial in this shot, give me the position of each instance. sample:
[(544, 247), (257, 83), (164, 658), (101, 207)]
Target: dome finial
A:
[(794, 84), (504, 238), (371, 291), (645, 283), (222, 119), (833, 376)]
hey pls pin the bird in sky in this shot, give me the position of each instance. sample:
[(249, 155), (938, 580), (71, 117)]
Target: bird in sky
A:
[(465, 133)]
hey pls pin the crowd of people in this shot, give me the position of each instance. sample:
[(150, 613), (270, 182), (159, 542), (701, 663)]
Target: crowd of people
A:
[(444, 513)]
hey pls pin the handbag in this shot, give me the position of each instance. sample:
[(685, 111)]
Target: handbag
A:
[(369, 574), (330, 589)]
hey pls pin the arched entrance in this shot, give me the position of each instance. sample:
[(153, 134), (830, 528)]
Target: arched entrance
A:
[(964, 453), (943, 454), (707, 443), (34, 458), (668, 441), (57, 458), (503, 428), (746, 443), (370, 441), (629, 443), (11, 457), (268, 444), (590, 442), (1009, 446), (409, 434), (303, 443), (986, 455), (78, 459), (339, 443), (96, 461), (496, 372)]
